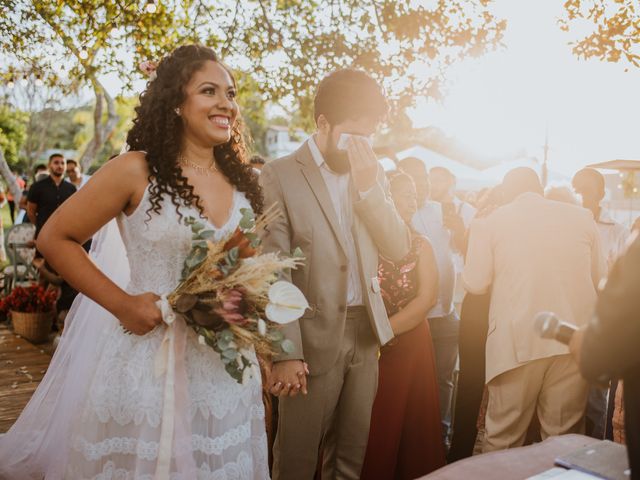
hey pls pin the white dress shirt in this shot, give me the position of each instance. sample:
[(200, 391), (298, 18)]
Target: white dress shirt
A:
[(427, 221), (340, 193)]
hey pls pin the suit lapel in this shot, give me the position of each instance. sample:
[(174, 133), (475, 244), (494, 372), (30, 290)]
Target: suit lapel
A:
[(314, 178)]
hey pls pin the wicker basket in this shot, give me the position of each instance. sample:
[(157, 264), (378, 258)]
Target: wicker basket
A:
[(34, 327)]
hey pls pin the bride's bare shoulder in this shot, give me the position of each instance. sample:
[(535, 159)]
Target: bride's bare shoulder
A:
[(127, 166), (125, 177)]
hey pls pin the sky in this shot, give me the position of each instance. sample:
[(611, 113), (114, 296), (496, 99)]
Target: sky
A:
[(505, 101)]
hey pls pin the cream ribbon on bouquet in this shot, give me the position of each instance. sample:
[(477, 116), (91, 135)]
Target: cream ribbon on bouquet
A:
[(165, 364)]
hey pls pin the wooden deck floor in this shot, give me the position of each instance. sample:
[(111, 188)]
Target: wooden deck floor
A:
[(22, 366)]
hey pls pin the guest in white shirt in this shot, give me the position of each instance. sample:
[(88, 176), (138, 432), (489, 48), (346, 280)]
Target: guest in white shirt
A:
[(443, 319), (442, 188), (457, 216), (75, 175), (536, 255), (589, 184)]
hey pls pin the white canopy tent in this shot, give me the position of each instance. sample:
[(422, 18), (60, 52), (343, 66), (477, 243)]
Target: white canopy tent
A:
[(471, 178)]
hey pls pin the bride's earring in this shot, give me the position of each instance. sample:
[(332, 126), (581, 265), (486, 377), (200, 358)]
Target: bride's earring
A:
[(177, 110)]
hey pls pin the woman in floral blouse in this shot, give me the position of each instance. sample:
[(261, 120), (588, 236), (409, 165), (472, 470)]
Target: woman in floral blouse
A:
[(405, 439)]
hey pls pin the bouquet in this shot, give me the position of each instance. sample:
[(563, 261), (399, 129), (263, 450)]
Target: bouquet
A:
[(230, 295), (32, 299)]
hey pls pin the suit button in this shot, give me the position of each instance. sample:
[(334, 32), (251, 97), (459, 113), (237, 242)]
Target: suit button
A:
[(342, 308), (343, 268)]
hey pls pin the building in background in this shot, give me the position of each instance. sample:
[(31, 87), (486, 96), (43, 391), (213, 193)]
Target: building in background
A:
[(280, 141)]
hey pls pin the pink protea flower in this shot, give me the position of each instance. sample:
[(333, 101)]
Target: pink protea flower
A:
[(232, 307)]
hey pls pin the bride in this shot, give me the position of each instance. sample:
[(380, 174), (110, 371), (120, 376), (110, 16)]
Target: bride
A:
[(103, 411)]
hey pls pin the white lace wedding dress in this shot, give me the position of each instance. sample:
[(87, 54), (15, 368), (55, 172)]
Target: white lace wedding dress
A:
[(114, 427)]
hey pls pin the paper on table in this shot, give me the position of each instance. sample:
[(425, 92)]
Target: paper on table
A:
[(562, 474)]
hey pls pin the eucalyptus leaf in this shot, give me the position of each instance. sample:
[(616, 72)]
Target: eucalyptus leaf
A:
[(248, 220), (226, 335), (253, 238), (206, 234), (196, 227), (232, 369), (202, 244), (196, 257), (230, 353)]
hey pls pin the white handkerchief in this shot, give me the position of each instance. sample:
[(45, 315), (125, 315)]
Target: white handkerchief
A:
[(344, 138)]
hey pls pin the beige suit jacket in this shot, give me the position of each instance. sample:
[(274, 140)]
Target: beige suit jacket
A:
[(309, 221), (535, 255)]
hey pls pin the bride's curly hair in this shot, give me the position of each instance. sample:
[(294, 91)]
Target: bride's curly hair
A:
[(157, 130)]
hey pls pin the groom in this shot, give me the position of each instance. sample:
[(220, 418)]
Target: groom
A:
[(336, 210)]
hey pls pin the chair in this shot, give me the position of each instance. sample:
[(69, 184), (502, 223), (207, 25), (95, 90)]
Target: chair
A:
[(20, 252)]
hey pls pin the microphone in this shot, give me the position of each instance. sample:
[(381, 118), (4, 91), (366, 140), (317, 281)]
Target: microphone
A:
[(548, 325)]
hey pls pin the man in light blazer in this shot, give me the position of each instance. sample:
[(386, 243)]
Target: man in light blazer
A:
[(537, 255), (336, 209)]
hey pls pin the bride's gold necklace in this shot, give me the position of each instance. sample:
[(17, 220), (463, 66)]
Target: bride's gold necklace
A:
[(199, 169)]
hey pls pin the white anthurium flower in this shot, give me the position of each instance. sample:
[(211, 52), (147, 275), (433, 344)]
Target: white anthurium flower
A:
[(286, 303), (262, 327), (201, 340), (239, 360)]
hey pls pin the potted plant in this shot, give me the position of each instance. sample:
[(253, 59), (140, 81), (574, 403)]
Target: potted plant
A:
[(31, 309)]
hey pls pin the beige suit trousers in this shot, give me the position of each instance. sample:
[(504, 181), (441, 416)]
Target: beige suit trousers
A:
[(334, 417), (552, 387)]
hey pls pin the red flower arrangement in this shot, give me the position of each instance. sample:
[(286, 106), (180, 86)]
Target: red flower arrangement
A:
[(32, 299)]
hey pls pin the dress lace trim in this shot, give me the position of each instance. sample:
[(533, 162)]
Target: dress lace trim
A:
[(149, 450), (241, 468)]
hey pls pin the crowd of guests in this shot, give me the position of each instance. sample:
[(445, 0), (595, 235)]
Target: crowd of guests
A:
[(52, 185), (525, 251)]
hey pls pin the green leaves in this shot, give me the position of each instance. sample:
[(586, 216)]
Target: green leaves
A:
[(248, 220), (230, 260), (253, 238), (206, 234), (195, 258), (199, 247)]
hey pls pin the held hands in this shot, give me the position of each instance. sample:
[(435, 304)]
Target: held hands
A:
[(364, 164), (140, 314), (288, 378)]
